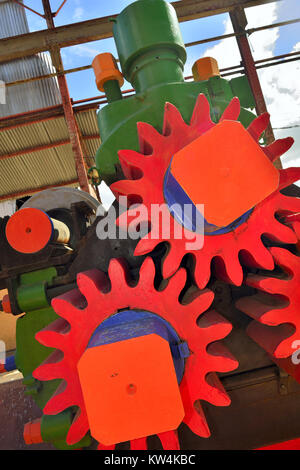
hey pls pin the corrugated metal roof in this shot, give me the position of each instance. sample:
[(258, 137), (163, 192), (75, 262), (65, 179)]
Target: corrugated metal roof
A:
[(32, 95), (32, 169), (44, 167)]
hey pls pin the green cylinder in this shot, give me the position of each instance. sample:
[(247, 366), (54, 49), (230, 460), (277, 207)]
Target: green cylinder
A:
[(112, 90), (149, 44)]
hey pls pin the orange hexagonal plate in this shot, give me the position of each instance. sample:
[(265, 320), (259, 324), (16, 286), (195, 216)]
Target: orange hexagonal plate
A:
[(130, 389), (226, 170)]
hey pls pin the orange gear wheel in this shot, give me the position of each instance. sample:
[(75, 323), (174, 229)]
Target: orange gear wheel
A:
[(147, 170), (100, 297)]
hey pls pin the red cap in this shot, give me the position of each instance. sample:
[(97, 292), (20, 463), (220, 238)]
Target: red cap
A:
[(29, 230), (32, 432)]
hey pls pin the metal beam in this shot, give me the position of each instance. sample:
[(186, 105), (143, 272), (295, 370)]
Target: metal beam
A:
[(28, 192), (41, 148), (239, 23), (100, 28)]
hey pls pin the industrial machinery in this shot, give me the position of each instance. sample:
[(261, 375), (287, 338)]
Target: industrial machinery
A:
[(178, 328)]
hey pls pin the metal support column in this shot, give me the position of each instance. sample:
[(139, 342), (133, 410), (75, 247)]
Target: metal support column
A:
[(239, 23), (67, 106)]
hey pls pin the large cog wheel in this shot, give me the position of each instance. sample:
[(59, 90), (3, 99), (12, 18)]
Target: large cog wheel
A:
[(275, 306), (146, 171), (97, 298)]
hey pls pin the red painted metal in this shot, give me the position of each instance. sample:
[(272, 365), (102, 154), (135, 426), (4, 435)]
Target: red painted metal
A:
[(282, 310), (152, 163), (293, 444), (104, 297)]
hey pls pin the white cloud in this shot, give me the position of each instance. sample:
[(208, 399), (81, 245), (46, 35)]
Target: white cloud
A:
[(280, 84), (83, 50), (78, 13)]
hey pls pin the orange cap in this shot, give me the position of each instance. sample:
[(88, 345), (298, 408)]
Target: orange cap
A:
[(32, 432), (105, 69), (6, 304), (130, 389), (205, 68), (218, 170), (29, 230)]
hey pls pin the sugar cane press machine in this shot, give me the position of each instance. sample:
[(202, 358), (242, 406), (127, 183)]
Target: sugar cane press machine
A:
[(151, 341)]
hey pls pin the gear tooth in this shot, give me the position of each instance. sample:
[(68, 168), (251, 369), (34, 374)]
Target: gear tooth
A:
[(103, 447), (60, 400), (139, 444), (67, 305), (118, 274), (50, 339), (280, 233), (261, 282), (51, 368), (215, 392), (213, 326), (288, 177), (254, 306), (288, 204), (285, 347), (171, 261), (92, 284), (278, 148), (126, 187), (286, 260), (147, 273), (173, 121), (257, 256), (272, 338), (176, 283), (228, 268), (169, 440), (79, 427), (196, 421), (259, 125), (58, 326), (148, 138), (198, 302), (146, 245), (232, 111), (131, 158), (222, 360), (201, 115), (202, 271)]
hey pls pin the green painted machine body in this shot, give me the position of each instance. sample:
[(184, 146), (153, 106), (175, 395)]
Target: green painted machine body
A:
[(152, 57), (32, 299)]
